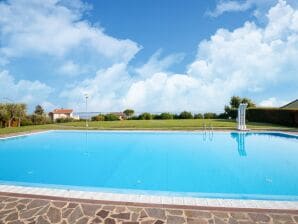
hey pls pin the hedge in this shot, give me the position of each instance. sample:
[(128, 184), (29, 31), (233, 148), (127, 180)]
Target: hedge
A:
[(287, 117)]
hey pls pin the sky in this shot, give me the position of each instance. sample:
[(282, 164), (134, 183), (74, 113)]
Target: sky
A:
[(148, 55)]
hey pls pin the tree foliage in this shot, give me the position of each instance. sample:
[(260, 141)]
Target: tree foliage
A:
[(39, 110), (111, 117), (185, 115), (145, 116), (129, 112), (166, 116)]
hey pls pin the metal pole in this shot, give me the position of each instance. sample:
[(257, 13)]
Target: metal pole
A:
[(86, 96), (86, 110)]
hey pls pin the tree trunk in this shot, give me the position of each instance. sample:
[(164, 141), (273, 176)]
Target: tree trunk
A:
[(19, 123), (9, 123)]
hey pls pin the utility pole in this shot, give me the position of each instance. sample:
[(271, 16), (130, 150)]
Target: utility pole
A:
[(86, 97)]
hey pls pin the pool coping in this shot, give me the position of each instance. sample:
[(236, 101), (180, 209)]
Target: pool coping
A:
[(147, 199)]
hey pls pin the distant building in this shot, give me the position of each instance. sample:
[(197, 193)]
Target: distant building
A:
[(120, 115), (62, 113), (291, 105)]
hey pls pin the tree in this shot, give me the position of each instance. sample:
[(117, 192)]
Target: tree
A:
[(4, 116), (99, 117), (235, 101), (185, 115), (129, 112), (210, 115), (111, 117), (12, 112), (39, 110), (198, 116), (231, 110), (249, 102), (145, 116), (166, 116), (20, 112)]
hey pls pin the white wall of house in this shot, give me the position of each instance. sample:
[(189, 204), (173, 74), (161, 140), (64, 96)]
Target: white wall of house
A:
[(56, 116)]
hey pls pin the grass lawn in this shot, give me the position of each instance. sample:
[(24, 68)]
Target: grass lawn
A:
[(192, 124)]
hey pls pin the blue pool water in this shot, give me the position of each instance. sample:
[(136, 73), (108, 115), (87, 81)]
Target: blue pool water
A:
[(223, 164)]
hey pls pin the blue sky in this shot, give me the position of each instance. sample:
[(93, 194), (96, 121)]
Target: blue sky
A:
[(168, 55)]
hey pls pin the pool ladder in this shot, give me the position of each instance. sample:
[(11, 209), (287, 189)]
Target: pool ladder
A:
[(210, 132)]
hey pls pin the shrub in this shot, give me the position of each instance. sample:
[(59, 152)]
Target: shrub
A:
[(26, 121), (39, 119), (287, 117), (99, 117), (185, 115), (210, 115), (64, 120), (134, 118), (111, 117), (145, 116), (166, 116), (198, 116)]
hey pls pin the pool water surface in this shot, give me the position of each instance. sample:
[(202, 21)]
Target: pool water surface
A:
[(204, 164)]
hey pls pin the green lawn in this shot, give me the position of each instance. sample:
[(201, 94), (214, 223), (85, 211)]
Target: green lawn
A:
[(192, 124)]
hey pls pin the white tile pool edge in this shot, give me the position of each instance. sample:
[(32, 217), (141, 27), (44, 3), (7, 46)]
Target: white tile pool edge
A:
[(151, 199)]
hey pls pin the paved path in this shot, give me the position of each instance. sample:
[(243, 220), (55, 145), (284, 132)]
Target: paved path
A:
[(32, 209)]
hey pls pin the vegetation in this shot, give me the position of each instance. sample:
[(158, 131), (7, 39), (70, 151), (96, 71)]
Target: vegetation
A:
[(185, 115), (198, 116), (145, 116), (188, 124), (234, 104), (210, 115), (287, 117), (99, 117), (129, 113), (166, 116), (111, 117), (39, 110), (107, 117), (12, 114)]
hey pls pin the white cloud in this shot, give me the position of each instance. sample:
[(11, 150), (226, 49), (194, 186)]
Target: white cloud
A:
[(230, 6), (247, 61), (225, 6), (49, 27), (157, 64), (105, 90), (71, 69), (30, 92), (272, 102)]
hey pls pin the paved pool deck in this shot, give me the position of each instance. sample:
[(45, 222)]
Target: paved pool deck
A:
[(31, 209)]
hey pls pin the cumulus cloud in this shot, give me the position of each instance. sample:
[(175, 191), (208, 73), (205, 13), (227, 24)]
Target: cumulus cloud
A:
[(105, 90), (71, 69), (249, 61), (225, 6), (272, 102), (158, 64), (56, 28), (30, 92)]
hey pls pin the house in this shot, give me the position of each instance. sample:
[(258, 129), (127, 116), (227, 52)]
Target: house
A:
[(291, 105), (120, 115), (62, 113)]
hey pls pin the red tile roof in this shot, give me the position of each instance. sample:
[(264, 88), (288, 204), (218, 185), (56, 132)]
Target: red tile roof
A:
[(62, 111)]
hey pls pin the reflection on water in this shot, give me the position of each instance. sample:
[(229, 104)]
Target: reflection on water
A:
[(240, 139)]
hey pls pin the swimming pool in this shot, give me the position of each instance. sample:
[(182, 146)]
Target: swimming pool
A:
[(201, 164)]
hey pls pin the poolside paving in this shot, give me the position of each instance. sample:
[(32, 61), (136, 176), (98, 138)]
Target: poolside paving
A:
[(31, 210)]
